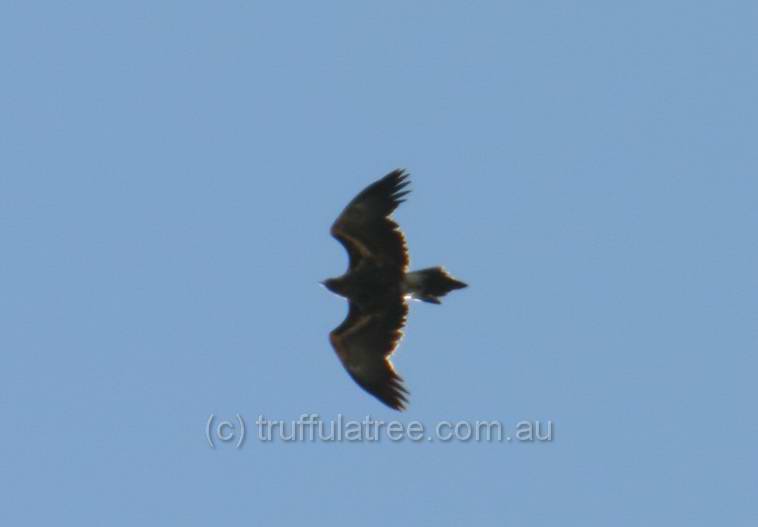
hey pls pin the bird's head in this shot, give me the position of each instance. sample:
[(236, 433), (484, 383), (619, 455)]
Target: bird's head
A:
[(333, 285)]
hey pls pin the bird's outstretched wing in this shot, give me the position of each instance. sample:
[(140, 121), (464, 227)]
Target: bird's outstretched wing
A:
[(366, 231), (364, 343)]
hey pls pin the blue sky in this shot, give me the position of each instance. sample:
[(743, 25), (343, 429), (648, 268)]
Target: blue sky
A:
[(168, 174)]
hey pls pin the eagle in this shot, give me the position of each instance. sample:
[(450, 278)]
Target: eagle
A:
[(378, 285)]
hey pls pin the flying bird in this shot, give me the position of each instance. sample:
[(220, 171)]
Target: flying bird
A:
[(378, 286)]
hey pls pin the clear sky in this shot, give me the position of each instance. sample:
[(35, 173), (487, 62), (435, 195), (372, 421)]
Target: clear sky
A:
[(168, 174)]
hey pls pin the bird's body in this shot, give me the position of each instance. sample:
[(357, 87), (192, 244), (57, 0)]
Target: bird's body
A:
[(378, 284), (368, 286)]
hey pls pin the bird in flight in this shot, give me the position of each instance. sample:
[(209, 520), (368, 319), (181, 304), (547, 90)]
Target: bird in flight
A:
[(378, 286)]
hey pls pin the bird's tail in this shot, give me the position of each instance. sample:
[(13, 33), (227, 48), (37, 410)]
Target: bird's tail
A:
[(430, 284)]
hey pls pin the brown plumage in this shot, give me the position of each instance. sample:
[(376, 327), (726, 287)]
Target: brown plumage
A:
[(378, 284)]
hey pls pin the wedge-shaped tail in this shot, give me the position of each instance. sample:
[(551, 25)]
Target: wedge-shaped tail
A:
[(430, 284)]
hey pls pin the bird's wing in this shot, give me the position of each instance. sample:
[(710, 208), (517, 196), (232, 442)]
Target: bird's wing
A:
[(364, 228), (364, 343)]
